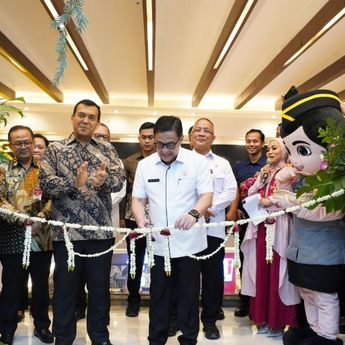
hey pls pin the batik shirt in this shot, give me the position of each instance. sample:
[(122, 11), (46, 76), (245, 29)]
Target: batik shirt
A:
[(86, 206), (19, 191)]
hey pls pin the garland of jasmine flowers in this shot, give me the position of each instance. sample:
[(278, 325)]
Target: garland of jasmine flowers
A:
[(269, 224), (141, 232), (237, 259), (132, 258), (70, 250), (150, 250), (27, 244), (72, 8)]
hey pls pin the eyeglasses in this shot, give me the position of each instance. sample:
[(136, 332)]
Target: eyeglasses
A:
[(102, 137), (19, 144), (200, 129), (170, 145)]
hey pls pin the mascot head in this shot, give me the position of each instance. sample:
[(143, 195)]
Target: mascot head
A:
[(302, 116)]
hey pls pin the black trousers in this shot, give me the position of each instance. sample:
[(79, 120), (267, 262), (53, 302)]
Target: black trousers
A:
[(12, 281), (39, 271), (97, 276), (212, 281), (185, 275), (133, 285)]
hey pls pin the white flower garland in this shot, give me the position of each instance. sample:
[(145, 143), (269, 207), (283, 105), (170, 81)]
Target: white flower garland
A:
[(167, 262), (150, 250), (27, 246), (269, 242), (70, 250), (132, 258), (237, 258), (146, 231)]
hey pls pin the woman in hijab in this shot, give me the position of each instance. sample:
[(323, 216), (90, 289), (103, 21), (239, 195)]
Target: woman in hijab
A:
[(273, 298)]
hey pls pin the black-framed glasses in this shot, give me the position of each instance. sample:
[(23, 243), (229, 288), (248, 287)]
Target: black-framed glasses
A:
[(19, 144), (170, 145)]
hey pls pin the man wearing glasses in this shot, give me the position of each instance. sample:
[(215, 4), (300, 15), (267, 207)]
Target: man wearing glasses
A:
[(79, 173), (19, 191), (147, 147), (177, 185), (225, 188)]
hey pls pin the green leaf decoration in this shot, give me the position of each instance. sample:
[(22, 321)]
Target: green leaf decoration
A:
[(333, 178), (6, 108), (72, 8)]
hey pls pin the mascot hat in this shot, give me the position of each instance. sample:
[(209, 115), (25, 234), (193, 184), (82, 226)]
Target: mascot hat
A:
[(310, 110)]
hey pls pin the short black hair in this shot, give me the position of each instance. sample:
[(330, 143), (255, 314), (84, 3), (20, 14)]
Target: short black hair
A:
[(38, 135), (254, 130), (190, 130), (146, 125), (168, 123), (17, 128), (89, 103)]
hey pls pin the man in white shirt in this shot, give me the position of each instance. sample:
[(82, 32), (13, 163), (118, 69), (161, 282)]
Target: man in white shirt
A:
[(224, 193), (178, 187)]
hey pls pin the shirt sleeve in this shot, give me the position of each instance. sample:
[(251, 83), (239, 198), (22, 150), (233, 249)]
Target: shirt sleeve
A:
[(116, 173), (139, 188), (50, 179), (227, 195), (204, 182)]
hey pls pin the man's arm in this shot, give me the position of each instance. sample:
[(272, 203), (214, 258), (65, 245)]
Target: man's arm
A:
[(227, 196), (186, 221), (50, 181), (116, 175), (138, 208)]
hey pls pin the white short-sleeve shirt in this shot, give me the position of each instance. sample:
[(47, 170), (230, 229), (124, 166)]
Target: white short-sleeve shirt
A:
[(225, 188), (172, 191)]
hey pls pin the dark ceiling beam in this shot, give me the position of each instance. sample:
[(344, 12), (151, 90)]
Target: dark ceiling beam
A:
[(276, 66), (150, 74), (92, 73), (6, 92), (327, 75), (324, 77), (18, 59), (209, 73)]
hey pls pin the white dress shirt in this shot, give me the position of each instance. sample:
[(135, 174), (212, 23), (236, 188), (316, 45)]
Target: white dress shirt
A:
[(224, 191), (172, 191)]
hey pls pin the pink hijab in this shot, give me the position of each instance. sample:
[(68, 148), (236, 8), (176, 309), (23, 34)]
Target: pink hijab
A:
[(285, 155)]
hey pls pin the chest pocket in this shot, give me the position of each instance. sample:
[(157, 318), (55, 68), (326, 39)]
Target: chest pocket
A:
[(186, 184), (218, 184)]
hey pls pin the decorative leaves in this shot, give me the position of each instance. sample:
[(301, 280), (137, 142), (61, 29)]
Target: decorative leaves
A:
[(6, 109), (333, 178), (72, 8)]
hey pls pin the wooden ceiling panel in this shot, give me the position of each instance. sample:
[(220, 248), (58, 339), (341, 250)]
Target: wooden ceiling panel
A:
[(187, 32), (115, 37), (277, 65), (262, 38)]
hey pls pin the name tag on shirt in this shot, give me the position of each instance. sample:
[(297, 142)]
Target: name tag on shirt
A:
[(153, 180)]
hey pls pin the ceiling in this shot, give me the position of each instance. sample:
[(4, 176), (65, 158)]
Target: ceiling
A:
[(188, 34)]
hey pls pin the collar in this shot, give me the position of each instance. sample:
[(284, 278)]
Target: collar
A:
[(17, 164), (260, 161), (181, 157), (72, 139)]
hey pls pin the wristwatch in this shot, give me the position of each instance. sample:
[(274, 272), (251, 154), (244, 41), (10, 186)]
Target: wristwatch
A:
[(194, 213)]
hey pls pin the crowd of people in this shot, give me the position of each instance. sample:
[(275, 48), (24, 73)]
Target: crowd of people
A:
[(82, 180)]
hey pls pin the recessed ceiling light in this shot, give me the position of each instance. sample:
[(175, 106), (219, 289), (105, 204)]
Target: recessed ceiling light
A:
[(26, 108), (116, 111), (155, 113)]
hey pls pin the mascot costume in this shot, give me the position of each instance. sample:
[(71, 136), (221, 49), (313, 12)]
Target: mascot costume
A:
[(316, 252)]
